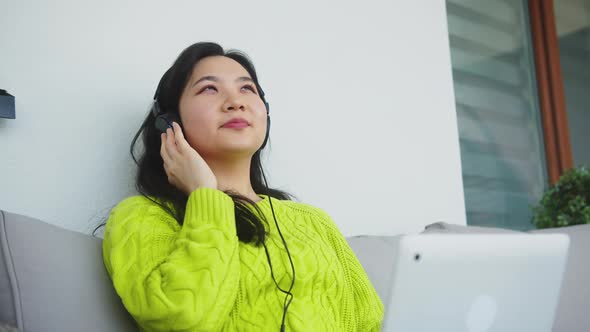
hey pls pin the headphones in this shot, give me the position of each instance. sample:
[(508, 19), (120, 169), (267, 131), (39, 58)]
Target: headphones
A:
[(164, 119)]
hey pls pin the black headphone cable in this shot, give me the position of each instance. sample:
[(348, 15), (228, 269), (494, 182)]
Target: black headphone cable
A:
[(288, 294)]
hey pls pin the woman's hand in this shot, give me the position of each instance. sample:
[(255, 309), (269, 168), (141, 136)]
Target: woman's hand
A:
[(185, 168)]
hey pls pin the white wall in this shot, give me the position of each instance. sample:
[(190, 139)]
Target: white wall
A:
[(361, 98)]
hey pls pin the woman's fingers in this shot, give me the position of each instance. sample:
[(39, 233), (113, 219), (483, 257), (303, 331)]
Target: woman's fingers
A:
[(165, 156), (171, 147), (181, 143), (184, 167), (163, 151)]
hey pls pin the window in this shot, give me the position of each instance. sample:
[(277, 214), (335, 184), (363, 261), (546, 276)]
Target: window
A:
[(499, 120), (572, 18)]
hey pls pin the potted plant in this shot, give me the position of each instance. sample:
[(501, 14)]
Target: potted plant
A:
[(567, 202)]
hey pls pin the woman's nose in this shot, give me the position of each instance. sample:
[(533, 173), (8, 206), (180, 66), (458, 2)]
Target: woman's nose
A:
[(233, 103)]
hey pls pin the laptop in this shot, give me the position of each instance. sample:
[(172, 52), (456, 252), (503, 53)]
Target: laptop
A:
[(476, 283)]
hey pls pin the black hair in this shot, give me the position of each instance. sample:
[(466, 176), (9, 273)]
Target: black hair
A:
[(151, 180)]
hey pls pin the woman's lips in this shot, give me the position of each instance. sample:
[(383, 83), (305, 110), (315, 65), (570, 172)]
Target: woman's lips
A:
[(235, 125)]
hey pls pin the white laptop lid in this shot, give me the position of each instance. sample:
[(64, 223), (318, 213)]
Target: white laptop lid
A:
[(476, 283)]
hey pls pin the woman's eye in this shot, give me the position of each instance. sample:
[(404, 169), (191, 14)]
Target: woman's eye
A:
[(209, 88), (249, 87)]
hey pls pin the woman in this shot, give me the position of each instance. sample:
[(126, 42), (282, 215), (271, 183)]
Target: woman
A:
[(207, 246)]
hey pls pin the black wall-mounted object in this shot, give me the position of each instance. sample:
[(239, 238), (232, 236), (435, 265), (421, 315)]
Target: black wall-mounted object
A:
[(6, 105)]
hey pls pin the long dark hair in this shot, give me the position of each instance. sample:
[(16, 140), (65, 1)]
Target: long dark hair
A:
[(152, 182)]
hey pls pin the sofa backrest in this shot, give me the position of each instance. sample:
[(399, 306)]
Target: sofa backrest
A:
[(377, 255), (52, 279)]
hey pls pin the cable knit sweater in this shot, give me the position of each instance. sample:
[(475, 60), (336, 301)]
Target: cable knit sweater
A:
[(199, 277)]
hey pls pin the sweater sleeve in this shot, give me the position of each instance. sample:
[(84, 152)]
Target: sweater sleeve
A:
[(368, 308), (172, 277)]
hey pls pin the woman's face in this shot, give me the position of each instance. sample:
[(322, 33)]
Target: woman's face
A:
[(220, 90)]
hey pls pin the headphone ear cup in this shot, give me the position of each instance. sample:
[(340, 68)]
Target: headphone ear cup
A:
[(162, 123), (267, 125), (267, 132)]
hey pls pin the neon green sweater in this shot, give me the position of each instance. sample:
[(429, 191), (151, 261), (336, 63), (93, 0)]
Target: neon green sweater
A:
[(199, 277)]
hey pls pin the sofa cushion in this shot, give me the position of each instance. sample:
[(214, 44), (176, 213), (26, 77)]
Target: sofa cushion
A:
[(8, 328), (52, 279)]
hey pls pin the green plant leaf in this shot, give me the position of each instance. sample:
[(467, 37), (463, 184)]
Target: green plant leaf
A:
[(567, 202)]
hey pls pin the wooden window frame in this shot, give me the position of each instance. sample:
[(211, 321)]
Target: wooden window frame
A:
[(558, 149)]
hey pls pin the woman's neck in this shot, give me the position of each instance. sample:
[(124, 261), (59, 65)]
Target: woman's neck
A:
[(234, 176)]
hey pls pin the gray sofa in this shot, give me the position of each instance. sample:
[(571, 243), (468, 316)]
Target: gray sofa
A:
[(53, 279)]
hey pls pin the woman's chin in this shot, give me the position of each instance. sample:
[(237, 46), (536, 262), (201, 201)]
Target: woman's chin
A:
[(239, 147)]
